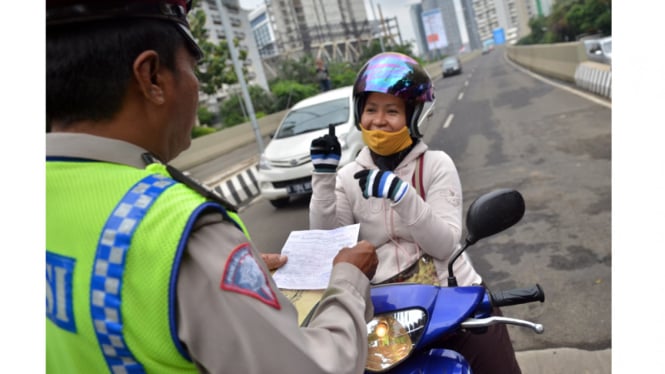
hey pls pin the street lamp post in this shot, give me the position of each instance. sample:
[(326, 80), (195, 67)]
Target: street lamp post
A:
[(371, 3), (226, 23)]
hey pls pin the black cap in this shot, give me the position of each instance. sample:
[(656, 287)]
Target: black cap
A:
[(63, 12)]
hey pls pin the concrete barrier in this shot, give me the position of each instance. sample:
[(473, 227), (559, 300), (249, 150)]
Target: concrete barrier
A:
[(567, 62), (211, 146), (594, 77)]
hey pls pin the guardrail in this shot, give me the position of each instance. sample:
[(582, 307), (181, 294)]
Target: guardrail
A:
[(568, 62)]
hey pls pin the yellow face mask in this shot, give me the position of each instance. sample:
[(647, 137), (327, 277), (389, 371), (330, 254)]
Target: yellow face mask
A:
[(386, 143)]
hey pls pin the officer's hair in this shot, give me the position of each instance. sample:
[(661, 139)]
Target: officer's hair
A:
[(88, 68)]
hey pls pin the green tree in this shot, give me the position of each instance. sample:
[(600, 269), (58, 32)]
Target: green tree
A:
[(234, 110), (342, 73), (287, 93), (571, 19), (375, 48), (213, 71), (299, 70), (206, 117)]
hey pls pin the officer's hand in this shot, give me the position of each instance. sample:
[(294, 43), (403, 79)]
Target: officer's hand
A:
[(381, 183), (274, 261), (326, 152), (362, 255)]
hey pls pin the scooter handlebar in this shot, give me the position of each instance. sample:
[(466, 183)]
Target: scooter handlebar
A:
[(517, 296)]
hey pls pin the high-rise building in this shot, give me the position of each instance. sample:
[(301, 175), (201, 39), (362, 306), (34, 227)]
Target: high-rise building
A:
[(459, 26), (239, 24), (539, 7), (416, 10), (259, 20), (510, 15), (324, 28)]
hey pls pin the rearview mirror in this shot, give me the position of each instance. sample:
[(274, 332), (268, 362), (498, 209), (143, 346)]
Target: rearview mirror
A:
[(492, 213)]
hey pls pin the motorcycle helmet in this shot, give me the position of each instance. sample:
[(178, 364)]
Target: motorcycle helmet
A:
[(399, 75)]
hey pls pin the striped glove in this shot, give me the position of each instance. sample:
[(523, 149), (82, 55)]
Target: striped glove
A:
[(381, 183), (325, 152)]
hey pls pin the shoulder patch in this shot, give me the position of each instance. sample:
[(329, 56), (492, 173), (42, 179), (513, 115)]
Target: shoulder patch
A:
[(243, 274)]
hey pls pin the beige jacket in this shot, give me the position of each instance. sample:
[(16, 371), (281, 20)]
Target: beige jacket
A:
[(229, 332), (400, 231)]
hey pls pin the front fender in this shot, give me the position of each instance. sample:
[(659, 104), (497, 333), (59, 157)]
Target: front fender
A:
[(438, 360)]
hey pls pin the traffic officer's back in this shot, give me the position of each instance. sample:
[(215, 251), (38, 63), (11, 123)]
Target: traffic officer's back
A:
[(146, 271)]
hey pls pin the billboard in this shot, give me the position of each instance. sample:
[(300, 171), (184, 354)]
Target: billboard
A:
[(434, 32), (499, 36)]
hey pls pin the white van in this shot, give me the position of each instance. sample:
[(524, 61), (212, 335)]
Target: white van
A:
[(285, 167)]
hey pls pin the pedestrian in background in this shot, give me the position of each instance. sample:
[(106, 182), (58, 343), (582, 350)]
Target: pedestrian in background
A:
[(323, 76)]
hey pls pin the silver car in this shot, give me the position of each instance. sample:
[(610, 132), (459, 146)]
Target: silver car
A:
[(451, 65), (599, 50)]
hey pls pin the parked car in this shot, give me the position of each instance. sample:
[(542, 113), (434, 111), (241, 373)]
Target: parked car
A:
[(285, 167), (599, 50), (451, 65)]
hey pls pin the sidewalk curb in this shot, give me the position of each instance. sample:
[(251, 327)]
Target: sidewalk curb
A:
[(565, 361)]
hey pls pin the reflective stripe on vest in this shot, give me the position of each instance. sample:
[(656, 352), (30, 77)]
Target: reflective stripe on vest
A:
[(109, 266)]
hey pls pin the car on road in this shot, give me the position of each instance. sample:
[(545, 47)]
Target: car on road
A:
[(451, 65), (599, 50), (285, 167)]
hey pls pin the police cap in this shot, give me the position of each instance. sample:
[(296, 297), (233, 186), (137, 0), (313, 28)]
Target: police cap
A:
[(65, 12)]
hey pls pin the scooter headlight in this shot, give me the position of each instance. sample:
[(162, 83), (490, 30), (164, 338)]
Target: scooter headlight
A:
[(392, 336)]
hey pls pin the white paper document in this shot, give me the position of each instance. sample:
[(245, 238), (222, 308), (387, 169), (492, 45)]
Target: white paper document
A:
[(310, 254)]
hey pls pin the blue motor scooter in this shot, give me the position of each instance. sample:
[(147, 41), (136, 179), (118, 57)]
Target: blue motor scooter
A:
[(411, 319)]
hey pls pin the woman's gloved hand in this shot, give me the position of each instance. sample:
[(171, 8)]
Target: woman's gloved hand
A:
[(326, 151), (381, 183)]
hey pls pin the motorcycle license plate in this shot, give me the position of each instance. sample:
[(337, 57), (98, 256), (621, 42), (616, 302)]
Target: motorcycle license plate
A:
[(299, 189)]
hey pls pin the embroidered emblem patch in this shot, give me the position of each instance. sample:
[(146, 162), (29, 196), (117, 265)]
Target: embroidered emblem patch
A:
[(243, 274)]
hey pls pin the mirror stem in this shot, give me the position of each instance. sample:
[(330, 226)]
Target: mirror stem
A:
[(452, 281)]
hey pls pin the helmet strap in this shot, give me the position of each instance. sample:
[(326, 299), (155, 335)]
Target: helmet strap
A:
[(413, 121)]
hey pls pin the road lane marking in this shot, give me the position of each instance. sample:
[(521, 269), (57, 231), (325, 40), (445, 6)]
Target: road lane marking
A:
[(460, 96), (466, 83), (448, 120)]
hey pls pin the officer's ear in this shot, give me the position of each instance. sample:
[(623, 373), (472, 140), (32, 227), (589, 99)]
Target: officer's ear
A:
[(147, 72)]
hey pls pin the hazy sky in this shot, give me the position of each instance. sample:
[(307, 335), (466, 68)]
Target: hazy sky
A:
[(389, 8)]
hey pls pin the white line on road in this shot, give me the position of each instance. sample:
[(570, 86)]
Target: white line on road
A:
[(466, 83), (448, 120), (460, 96)]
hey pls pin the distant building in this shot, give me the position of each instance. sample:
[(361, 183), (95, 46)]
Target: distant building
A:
[(323, 28), (457, 19), (510, 15), (264, 36), (416, 10), (239, 20), (539, 7)]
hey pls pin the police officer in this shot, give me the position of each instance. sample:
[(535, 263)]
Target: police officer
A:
[(146, 271)]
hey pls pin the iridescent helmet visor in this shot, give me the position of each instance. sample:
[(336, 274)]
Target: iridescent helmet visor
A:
[(395, 74)]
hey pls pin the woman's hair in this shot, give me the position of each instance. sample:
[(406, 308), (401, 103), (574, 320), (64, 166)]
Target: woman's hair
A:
[(89, 66)]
